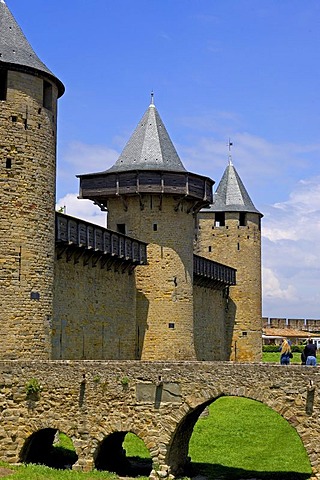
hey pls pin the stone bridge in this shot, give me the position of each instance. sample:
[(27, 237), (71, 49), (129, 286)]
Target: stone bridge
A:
[(97, 402)]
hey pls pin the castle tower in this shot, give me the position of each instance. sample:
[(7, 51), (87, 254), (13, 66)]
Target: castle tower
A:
[(28, 97), (229, 232), (149, 195)]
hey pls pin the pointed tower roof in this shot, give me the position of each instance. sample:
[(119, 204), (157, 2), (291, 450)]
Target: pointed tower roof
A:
[(149, 164), (16, 52), (231, 195), (149, 147)]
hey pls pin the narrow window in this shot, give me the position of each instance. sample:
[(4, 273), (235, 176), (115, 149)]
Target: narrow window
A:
[(121, 228), (238, 246), (209, 249), (242, 219), (155, 227), (47, 95), (8, 163), (220, 220), (3, 84)]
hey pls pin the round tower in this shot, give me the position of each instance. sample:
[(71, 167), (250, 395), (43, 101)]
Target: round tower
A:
[(229, 232), (149, 195), (28, 96)]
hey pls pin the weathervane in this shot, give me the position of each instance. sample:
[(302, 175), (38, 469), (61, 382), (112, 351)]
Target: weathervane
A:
[(229, 145), (152, 95)]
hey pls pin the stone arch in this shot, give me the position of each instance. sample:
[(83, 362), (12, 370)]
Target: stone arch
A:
[(39, 448), (111, 456), (177, 450), (177, 455)]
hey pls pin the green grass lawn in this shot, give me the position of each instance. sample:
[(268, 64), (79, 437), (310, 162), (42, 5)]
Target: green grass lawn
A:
[(271, 357), (242, 438)]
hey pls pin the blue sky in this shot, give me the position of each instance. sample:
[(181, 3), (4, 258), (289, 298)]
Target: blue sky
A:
[(241, 69)]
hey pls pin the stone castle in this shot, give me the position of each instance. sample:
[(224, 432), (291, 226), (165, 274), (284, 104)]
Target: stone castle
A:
[(175, 276), (127, 328)]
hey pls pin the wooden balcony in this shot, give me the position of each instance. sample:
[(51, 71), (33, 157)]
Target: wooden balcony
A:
[(98, 187), (77, 239), (207, 273)]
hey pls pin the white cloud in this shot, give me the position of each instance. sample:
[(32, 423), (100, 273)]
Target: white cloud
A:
[(83, 209), (273, 289), (291, 254), (80, 158)]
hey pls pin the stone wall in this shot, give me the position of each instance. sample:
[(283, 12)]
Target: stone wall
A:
[(158, 401), (212, 335), (27, 198), (238, 247), (94, 311), (165, 285)]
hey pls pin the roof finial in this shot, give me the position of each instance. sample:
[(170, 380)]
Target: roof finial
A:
[(152, 99), (229, 145)]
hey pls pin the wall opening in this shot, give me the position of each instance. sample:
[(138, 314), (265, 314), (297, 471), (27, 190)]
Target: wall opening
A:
[(3, 84), (121, 228), (125, 454), (236, 437), (220, 219), (47, 95), (242, 219), (49, 447)]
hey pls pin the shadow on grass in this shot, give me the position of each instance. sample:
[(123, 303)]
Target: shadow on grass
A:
[(216, 471), (61, 458)]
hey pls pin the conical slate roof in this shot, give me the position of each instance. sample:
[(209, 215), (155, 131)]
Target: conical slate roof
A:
[(15, 50), (149, 147), (231, 195)]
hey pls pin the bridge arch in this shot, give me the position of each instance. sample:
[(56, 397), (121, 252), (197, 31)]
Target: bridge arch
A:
[(111, 455), (178, 449), (39, 448)]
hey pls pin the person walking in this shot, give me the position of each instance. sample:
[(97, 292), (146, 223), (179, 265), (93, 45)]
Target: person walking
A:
[(285, 352), (310, 352)]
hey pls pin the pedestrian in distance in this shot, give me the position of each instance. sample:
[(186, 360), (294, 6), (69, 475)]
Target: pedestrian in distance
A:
[(310, 352), (286, 354)]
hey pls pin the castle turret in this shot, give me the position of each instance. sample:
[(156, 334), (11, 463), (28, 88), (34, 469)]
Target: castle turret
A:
[(149, 195), (28, 97), (229, 232)]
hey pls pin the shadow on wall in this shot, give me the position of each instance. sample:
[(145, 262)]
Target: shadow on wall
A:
[(230, 323), (142, 309), (214, 319)]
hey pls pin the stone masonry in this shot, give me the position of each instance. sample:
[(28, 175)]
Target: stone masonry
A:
[(159, 401)]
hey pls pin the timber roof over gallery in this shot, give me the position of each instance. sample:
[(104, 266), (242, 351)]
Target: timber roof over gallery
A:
[(231, 195), (15, 50)]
